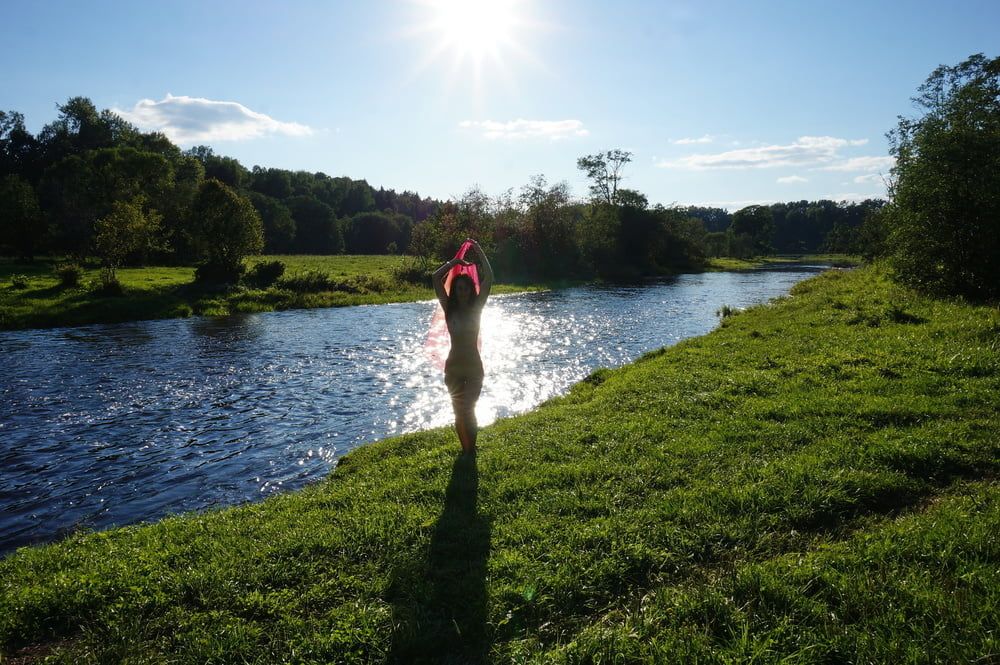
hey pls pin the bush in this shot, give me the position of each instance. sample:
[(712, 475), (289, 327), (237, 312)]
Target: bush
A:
[(314, 281), (19, 281), (214, 273), (109, 284), (69, 275), (309, 281), (413, 272), (264, 274), (365, 284)]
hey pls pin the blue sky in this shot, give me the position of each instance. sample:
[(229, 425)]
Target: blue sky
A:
[(723, 103)]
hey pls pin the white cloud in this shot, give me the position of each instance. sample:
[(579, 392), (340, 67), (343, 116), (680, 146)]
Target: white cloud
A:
[(858, 141), (791, 179), (527, 129), (197, 120), (862, 164), (871, 179), (805, 151), (707, 138)]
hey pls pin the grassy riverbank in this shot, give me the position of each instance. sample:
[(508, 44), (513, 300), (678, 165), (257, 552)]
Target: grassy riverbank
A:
[(169, 292), (722, 263), (164, 292), (815, 481)]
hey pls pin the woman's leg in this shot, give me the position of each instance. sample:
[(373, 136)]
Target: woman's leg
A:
[(456, 388), (473, 387)]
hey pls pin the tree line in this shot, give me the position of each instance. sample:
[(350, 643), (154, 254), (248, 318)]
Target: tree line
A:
[(90, 184), (91, 171)]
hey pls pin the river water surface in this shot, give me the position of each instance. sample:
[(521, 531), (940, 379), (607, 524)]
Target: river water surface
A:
[(120, 423)]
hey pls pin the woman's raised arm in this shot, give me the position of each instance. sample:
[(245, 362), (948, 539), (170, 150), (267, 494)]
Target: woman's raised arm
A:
[(438, 280), (486, 279)]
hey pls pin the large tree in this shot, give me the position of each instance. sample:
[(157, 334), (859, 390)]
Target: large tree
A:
[(225, 228), (756, 223), (127, 230), (944, 218), (604, 170)]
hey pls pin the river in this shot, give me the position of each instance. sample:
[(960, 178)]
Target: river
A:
[(121, 423)]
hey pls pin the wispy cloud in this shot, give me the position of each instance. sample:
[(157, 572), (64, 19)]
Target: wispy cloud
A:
[(189, 120), (707, 138), (791, 179), (862, 164), (553, 130), (804, 152), (869, 179)]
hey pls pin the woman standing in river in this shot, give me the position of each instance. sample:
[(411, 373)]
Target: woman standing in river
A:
[(463, 303)]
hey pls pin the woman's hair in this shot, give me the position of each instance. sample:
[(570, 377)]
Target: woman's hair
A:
[(453, 293)]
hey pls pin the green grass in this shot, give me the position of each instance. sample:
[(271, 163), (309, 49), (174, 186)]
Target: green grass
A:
[(724, 263), (815, 481), (168, 292)]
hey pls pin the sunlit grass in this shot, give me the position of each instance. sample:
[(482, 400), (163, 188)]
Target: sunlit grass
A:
[(812, 482), (722, 263), (158, 292)]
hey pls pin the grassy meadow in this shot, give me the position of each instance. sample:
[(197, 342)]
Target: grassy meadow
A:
[(814, 481), (158, 292)]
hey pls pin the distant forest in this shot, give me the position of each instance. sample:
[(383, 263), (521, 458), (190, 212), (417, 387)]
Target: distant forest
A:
[(57, 188)]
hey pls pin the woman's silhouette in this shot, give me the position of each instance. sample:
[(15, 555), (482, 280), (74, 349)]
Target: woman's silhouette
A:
[(463, 370)]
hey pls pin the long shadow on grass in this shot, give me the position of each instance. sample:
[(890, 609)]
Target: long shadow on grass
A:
[(439, 602)]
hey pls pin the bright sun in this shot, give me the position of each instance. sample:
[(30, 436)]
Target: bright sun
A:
[(474, 28)]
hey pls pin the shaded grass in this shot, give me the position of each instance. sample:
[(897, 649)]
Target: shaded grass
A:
[(812, 482), (158, 292)]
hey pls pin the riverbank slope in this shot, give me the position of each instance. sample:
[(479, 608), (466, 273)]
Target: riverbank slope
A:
[(813, 481)]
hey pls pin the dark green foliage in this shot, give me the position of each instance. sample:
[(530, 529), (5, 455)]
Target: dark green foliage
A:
[(756, 223), (264, 274), (225, 228), (212, 273), (19, 281), (316, 228), (22, 226), (69, 275), (86, 160), (315, 281), (944, 220), (374, 232), (279, 226)]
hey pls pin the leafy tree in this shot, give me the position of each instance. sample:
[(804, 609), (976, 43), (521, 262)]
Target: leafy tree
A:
[(944, 218), (21, 222), (757, 223), (125, 231), (225, 228), (604, 170), (18, 148)]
